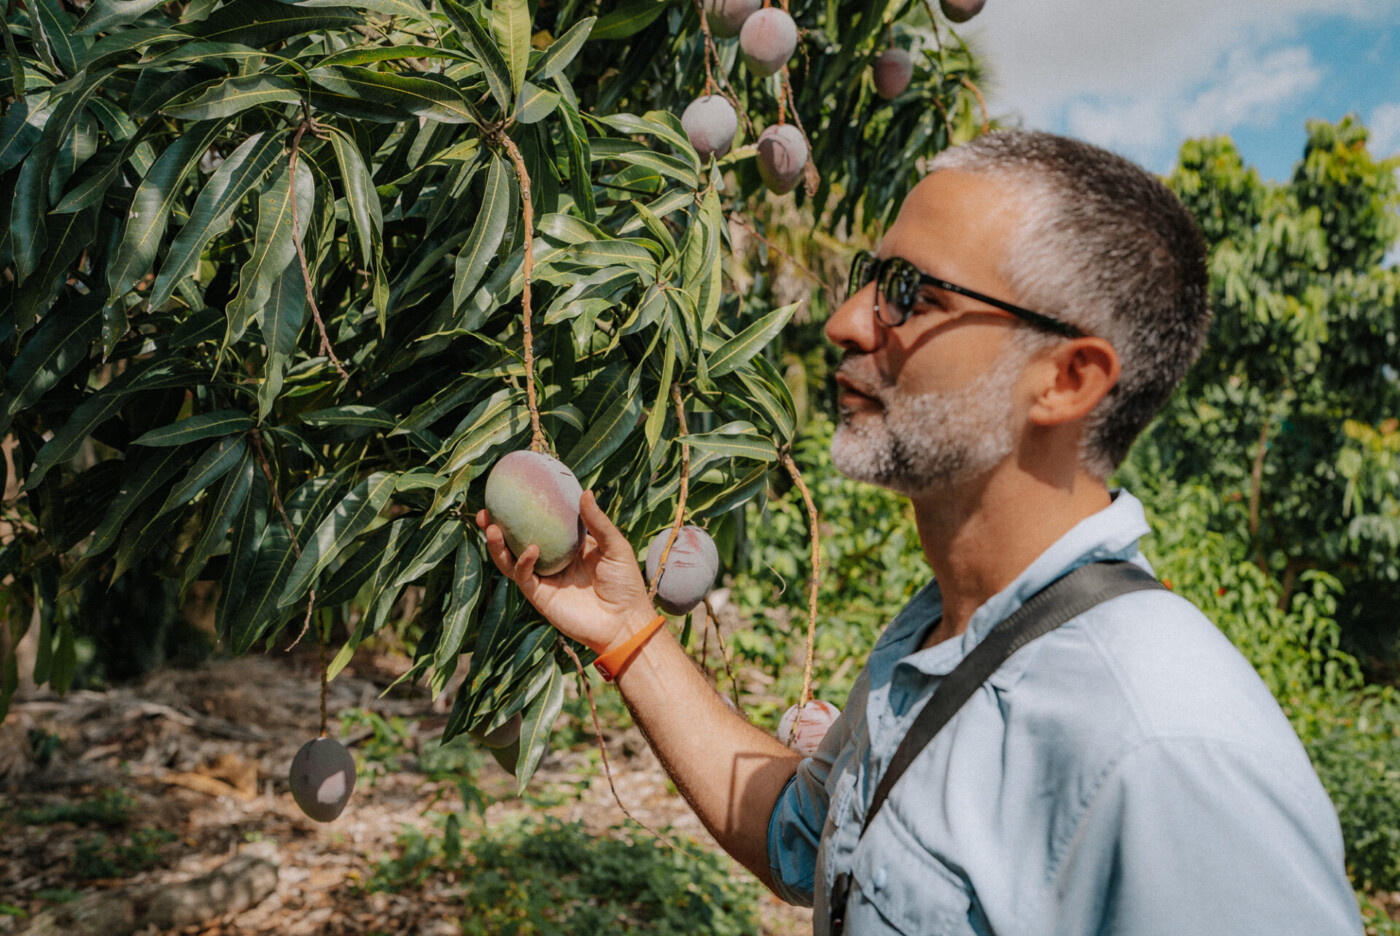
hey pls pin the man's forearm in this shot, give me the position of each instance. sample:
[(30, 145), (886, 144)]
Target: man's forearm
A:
[(730, 771)]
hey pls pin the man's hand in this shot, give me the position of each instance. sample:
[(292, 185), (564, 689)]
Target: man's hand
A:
[(600, 599)]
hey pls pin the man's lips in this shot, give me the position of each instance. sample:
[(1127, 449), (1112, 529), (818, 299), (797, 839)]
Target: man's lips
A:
[(853, 390)]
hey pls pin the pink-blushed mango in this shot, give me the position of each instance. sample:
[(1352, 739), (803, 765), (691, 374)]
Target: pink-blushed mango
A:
[(960, 11), (782, 152), (817, 718), (893, 69), (533, 498), (726, 17), (690, 572), (322, 778), (710, 123), (768, 39)]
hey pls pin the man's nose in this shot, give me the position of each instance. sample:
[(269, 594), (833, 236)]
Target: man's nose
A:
[(853, 326)]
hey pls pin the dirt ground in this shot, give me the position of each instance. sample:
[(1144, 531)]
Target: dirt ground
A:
[(203, 755)]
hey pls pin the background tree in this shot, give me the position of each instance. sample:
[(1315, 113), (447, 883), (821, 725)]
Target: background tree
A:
[(1291, 411)]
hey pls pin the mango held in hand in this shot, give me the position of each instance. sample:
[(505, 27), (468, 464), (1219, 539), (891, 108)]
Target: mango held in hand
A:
[(726, 17), (322, 778), (782, 152), (710, 123), (768, 39), (691, 567), (893, 69), (817, 718), (533, 498)]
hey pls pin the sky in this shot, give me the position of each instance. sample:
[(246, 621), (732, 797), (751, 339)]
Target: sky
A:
[(1140, 76)]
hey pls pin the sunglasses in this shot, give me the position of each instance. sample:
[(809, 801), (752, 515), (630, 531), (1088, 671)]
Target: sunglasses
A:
[(899, 282)]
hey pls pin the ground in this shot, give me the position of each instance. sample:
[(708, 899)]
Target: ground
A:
[(203, 755)]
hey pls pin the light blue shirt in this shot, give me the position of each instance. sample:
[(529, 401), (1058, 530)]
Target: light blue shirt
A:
[(1128, 773)]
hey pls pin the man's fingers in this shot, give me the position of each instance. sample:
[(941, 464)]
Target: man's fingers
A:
[(610, 539)]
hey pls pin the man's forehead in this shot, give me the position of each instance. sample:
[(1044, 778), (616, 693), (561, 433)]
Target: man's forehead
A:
[(949, 209)]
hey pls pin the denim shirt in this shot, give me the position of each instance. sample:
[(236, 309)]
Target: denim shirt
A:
[(1126, 773)]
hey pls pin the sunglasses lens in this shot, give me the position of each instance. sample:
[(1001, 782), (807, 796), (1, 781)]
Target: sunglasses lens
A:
[(898, 286)]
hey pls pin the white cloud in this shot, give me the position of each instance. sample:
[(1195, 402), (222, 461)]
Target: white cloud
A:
[(1385, 130), (1138, 76)]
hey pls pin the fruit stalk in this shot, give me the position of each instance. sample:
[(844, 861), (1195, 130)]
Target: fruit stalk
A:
[(308, 123), (723, 653), (815, 583), (537, 443)]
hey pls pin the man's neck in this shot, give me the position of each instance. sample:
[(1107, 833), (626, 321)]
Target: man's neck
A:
[(979, 537)]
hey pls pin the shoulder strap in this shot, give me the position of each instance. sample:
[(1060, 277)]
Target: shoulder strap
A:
[(1065, 598)]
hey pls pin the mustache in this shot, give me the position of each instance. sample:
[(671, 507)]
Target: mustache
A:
[(857, 371)]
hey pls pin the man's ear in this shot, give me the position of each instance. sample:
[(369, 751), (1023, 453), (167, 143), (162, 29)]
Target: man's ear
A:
[(1076, 376)]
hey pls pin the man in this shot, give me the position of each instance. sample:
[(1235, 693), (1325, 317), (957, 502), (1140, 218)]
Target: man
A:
[(1033, 305)]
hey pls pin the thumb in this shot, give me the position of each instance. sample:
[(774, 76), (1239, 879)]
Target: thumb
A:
[(611, 542)]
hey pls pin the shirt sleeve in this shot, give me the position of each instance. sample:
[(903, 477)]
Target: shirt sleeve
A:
[(795, 828), (1204, 836)]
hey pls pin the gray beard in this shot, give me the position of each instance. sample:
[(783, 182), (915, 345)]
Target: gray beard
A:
[(941, 439)]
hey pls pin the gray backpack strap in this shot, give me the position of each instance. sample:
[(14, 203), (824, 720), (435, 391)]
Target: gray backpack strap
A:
[(1061, 600)]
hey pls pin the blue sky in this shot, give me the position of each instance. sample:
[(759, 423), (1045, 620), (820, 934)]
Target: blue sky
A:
[(1140, 76)]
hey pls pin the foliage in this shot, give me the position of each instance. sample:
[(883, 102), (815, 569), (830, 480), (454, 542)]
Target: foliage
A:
[(98, 858), (267, 274), (1291, 409), (111, 807), (544, 876)]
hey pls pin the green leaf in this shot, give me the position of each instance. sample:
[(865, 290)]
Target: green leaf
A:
[(563, 50), (236, 176), (536, 725), (22, 127), (488, 56), (56, 27), (580, 156), (217, 525), (67, 236), (510, 23), (196, 428), (410, 8), (283, 317), (423, 96), (261, 23), (748, 444), (494, 420), (104, 14), (657, 418), (144, 476), (150, 210), (348, 520), (486, 233), (360, 194), (216, 461), (627, 19), (98, 408), (663, 125), (273, 247), (365, 55), (738, 350), (534, 104), (350, 415), (59, 345), (634, 153), (249, 526), (619, 252), (226, 97), (606, 434), (466, 593)]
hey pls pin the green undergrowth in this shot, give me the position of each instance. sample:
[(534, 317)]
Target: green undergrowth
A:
[(540, 876)]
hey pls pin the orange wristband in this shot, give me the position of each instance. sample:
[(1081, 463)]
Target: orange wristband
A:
[(612, 663)]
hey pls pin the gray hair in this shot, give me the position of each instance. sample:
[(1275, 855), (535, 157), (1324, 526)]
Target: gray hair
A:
[(1103, 244)]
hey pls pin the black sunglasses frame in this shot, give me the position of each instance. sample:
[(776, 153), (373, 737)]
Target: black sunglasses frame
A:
[(867, 268)]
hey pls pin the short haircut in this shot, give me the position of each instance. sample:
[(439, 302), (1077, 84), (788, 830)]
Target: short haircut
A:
[(1104, 245)]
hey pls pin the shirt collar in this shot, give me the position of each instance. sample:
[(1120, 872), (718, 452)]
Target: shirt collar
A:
[(1111, 533)]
